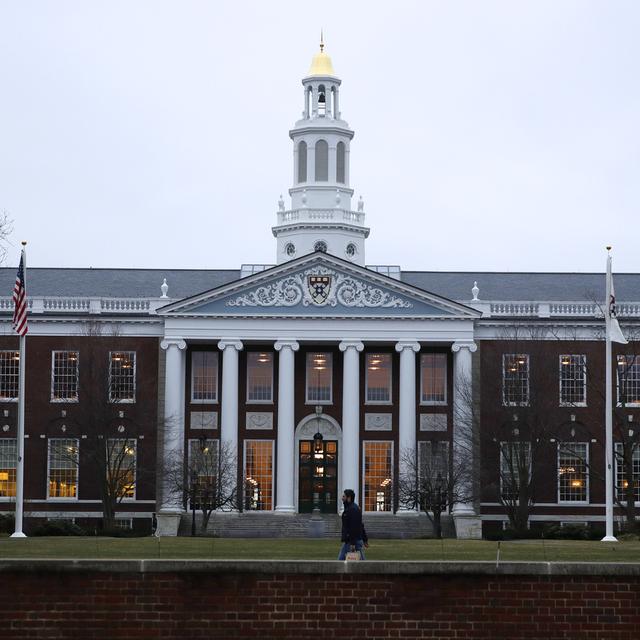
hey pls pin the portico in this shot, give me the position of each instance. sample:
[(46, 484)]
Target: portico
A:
[(273, 317)]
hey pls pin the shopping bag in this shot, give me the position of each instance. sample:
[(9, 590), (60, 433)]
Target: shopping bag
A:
[(352, 555)]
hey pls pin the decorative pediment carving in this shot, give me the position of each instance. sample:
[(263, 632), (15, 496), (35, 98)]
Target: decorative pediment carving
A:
[(308, 289)]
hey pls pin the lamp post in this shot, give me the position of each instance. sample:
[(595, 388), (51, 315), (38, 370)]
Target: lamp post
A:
[(318, 452)]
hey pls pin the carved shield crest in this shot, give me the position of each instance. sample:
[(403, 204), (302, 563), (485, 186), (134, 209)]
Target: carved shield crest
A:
[(319, 288)]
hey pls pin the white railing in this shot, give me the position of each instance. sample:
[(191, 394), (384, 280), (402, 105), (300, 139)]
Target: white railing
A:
[(514, 309), (325, 215), (524, 309), (68, 304)]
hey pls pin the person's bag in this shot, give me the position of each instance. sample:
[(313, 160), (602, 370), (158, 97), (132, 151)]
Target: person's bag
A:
[(352, 555)]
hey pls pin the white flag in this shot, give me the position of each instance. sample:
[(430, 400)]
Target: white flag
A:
[(615, 333)]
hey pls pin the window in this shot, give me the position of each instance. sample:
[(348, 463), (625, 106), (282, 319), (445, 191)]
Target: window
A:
[(515, 380), (290, 249), (378, 378), (258, 475), (63, 468), (340, 163), (9, 366), (322, 161), (378, 458), (515, 467), (321, 245), (204, 376), (319, 375), (573, 381), (121, 467), (351, 250), (433, 371), (8, 463), (259, 376), (122, 376), (64, 376), (572, 472), (123, 523), (632, 451), (433, 469), (302, 161), (629, 381), (204, 465)]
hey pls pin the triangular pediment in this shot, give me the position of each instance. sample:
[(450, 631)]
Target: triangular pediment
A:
[(318, 285)]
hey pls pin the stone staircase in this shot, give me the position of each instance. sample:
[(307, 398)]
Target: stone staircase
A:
[(273, 525)]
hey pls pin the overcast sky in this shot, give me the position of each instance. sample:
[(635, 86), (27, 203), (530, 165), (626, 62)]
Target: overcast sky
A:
[(489, 135)]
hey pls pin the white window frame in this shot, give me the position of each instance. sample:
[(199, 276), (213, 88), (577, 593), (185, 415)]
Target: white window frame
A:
[(366, 381), (506, 403), (636, 362), (270, 400), (618, 445), (502, 445), (329, 354), (13, 351), (135, 467), (135, 376), (53, 378), (363, 476), (584, 380), (56, 498), (15, 446), (559, 449), (434, 403), (273, 473), (205, 400)]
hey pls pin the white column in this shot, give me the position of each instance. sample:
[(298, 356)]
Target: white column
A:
[(285, 466), (171, 506), (351, 416), (407, 435), (467, 522), (229, 400)]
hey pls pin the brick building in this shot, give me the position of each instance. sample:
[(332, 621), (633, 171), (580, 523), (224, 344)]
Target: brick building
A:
[(476, 370)]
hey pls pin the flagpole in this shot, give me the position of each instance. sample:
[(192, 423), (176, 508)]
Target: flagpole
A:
[(18, 533), (609, 537)]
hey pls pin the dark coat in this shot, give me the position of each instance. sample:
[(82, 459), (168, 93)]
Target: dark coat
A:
[(352, 529)]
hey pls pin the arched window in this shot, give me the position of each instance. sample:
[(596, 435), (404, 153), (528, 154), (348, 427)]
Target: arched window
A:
[(302, 161), (340, 163), (322, 161)]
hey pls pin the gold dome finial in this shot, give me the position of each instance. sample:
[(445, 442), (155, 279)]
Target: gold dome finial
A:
[(321, 63)]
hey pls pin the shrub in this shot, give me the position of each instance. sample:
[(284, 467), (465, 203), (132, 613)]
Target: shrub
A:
[(7, 523), (58, 528)]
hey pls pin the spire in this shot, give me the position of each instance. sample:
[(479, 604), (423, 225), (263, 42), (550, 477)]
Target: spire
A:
[(321, 41)]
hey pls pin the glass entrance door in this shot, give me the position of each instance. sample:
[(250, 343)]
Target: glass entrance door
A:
[(318, 479)]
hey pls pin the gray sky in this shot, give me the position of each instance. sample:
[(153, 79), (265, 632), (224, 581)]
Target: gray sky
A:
[(489, 135)]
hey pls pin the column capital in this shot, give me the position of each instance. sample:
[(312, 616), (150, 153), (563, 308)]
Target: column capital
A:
[(173, 342), (407, 344), (291, 344), (235, 343), (466, 344), (356, 344)]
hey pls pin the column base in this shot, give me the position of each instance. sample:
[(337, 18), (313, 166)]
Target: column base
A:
[(167, 524), (285, 509), (468, 526), (609, 539), (18, 534)]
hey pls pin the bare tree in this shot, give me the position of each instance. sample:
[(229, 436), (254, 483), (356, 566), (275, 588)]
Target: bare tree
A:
[(6, 229), (206, 478), (102, 417), (433, 482)]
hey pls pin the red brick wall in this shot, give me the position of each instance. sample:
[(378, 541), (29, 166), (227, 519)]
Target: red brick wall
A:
[(191, 604)]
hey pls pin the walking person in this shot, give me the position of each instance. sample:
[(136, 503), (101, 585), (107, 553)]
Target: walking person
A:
[(353, 533)]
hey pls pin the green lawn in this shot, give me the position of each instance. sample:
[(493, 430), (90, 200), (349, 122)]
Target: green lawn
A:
[(296, 549)]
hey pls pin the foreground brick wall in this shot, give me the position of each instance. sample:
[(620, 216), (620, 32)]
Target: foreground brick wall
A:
[(194, 600)]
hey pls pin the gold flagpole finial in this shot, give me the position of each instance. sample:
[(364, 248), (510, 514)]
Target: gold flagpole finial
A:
[(608, 247)]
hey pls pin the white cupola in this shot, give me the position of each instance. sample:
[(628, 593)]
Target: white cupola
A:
[(320, 217)]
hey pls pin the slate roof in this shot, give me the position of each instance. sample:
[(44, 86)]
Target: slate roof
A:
[(145, 283)]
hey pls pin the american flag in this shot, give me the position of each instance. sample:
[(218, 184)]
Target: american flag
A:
[(20, 301)]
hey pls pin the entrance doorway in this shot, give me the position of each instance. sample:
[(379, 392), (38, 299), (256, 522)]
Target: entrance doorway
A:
[(318, 479)]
